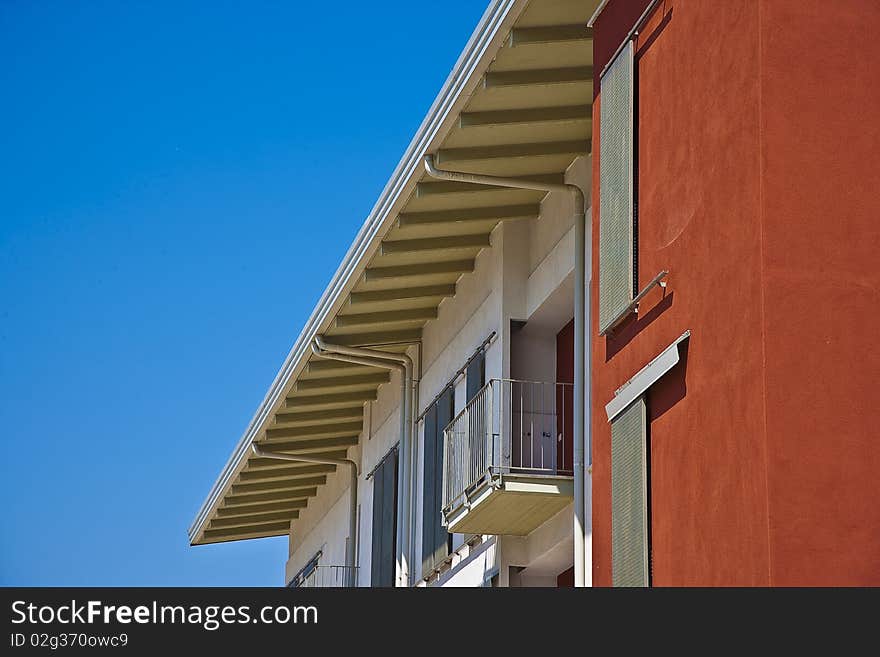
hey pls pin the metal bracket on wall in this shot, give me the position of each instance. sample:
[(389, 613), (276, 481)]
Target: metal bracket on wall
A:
[(633, 306)]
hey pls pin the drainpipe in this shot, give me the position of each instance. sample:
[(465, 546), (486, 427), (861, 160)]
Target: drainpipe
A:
[(582, 437), (403, 364), (351, 560)]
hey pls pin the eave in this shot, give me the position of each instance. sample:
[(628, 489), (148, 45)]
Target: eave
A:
[(517, 103)]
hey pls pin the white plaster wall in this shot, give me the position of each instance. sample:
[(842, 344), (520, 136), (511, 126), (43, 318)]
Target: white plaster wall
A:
[(473, 567), (463, 323), (324, 523)]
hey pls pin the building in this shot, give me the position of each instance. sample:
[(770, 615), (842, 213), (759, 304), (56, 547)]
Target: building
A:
[(494, 392), (755, 154)]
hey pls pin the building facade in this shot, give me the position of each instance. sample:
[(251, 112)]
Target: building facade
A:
[(609, 322), (756, 139)]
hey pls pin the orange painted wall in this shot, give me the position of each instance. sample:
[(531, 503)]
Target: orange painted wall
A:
[(820, 202), (756, 478)]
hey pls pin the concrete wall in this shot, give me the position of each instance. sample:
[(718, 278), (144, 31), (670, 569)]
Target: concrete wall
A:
[(758, 151), (537, 559), (527, 267)]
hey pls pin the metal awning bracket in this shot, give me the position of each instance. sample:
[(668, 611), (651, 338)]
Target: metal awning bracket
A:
[(633, 306)]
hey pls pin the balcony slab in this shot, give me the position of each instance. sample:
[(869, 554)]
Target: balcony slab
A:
[(510, 504)]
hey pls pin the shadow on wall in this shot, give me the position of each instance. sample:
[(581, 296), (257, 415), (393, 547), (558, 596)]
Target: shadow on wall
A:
[(632, 326), (630, 14), (652, 37), (671, 388)]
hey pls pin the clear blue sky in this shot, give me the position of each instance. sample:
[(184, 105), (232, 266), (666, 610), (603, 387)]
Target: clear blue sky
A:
[(161, 166)]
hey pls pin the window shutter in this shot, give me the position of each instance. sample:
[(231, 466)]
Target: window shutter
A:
[(389, 518), (629, 497), (435, 538), (429, 498), (378, 493), (476, 375), (384, 521), (445, 408), (616, 189)]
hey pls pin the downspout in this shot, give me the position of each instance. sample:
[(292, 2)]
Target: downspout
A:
[(582, 436), (351, 557), (403, 364)]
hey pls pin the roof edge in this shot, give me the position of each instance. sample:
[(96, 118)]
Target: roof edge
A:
[(596, 13), (409, 165)]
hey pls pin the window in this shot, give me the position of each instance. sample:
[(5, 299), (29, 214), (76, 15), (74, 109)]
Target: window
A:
[(629, 497), (630, 476), (384, 521), (617, 263)]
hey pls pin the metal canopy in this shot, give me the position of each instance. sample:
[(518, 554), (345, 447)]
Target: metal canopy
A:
[(521, 96), (645, 378)]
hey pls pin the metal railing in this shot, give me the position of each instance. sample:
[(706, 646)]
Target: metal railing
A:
[(327, 577), (509, 426)]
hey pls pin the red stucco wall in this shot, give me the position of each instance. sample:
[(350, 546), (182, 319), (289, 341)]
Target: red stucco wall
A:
[(756, 478), (820, 202)]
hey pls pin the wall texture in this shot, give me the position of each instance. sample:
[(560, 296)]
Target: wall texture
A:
[(820, 204), (757, 156)]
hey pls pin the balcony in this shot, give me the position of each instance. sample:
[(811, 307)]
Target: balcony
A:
[(508, 458), (325, 577)]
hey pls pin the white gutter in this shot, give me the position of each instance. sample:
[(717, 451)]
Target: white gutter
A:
[(582, 355), (403, 364), (351, 557), (596, 13), (491, 29)]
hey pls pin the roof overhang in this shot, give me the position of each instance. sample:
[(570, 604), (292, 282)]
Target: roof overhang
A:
[(517, 103)]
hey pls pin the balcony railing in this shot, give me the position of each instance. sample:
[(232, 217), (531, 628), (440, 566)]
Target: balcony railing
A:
[(509, 427), (326, 577)]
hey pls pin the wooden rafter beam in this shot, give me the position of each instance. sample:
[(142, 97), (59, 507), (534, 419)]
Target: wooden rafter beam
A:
[(423, 292), (389, 317), (317, 401), (498, 212), (507, 151), (538, 77), (424, 269), (564, 114), (522, 36)]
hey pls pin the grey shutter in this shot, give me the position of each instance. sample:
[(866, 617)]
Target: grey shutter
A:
[(629, 497), (384, 521), (616, 188), (476, 375), (476, 379), (429, 499), (378, 493), (435, 538), (389, 518), (445, 413)]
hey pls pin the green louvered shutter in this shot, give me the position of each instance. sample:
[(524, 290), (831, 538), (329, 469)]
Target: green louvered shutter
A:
[(629, 497), (616, 188)]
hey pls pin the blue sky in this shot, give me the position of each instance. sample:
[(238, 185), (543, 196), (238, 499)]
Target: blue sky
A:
[(161, 165)]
